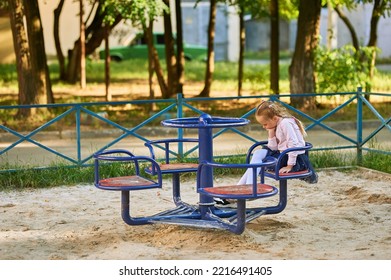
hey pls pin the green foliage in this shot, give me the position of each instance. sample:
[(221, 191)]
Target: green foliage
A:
[(288, 9), (140, 12), (4, 4), (342, 69), (8, 73)]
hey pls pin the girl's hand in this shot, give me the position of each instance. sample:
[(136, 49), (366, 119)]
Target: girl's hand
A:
[(271, 132), (286, 169)]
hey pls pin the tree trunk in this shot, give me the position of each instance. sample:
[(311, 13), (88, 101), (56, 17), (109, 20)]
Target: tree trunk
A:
[(180, 56), (43, 93), (301, 70), (170, 53), (73, 69), (154, 63), (148, 33), (22, 52), (159, 73), (57, 42), (242, 40), (210, 64), (82, 47), (95, 33), (274, 47), (378, 9), (350, 27), (107, 66)]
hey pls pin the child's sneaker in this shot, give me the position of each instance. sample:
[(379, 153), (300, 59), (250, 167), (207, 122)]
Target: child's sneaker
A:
[(220, 202), (313, 179)]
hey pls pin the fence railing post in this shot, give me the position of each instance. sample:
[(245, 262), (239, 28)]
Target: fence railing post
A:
[(78, 134), (179, 114), (359, 125)]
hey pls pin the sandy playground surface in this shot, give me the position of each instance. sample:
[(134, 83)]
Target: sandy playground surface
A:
[(344, 216)]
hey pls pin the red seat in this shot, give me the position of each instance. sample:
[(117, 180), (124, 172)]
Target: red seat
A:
[(135, 180), (178, 166), (302, 172), (239, 190), (169, 167), (125, 181)]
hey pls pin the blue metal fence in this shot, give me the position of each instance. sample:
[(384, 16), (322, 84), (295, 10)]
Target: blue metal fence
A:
[(176, 107)]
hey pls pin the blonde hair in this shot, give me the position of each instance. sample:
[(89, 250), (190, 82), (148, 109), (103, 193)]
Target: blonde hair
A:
[(270, 109)]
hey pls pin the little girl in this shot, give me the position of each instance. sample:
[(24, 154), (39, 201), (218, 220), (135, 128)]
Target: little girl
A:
[(284, 131)]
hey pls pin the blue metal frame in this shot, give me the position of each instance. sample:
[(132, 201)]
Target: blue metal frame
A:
[(276, 175), (179, 104), (174, 172)]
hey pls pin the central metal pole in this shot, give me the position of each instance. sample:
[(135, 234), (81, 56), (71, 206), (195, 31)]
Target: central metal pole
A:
[(205, 136)]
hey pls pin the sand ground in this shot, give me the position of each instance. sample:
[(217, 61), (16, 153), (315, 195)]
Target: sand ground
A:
[(347, 215)]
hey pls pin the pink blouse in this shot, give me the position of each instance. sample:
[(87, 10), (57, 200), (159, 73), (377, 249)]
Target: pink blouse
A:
[(288, 135)]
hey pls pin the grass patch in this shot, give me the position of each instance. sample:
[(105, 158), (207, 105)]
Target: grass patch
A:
[(45, 178), (379, 162), (376, 160), (326, 159)]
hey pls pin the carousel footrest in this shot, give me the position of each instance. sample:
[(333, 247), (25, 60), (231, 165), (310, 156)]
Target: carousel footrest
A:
[(198, 223)]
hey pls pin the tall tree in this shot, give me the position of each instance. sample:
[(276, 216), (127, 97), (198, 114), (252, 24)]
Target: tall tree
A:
[(301, 70), (107, 65), (33, 75), (142, 13), (264, 9), (95, 33), (349, 25), (242, 45), (57, 42), (148, 31), (210, 63), (380, 8), (274, 47), (39, 64), (172, 78), (242, 6), (180, 55), (23, 64), (82, 46)]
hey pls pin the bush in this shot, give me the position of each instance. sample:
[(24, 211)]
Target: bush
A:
[(342, 69)]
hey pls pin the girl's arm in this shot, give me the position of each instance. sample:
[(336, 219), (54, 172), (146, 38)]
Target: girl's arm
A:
[(272, 140)]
